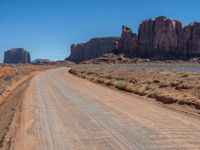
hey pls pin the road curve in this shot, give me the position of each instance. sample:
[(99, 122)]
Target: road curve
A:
[(63, 112)]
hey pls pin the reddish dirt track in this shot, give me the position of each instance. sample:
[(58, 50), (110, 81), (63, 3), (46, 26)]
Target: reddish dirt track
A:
[(61, 111)]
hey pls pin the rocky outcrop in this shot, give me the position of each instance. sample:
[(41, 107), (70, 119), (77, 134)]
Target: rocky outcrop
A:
[(108, 59), (94, 48), (161, 38), (127, 43), (190, 40), (16, 56)]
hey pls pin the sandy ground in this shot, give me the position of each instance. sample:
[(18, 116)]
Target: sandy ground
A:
[(8, 110), (61, 111), (10, 102)]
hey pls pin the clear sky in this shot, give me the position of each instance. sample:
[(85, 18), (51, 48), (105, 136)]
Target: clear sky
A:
[(47, 28)]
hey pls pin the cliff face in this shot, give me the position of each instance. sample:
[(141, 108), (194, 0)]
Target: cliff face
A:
[(161, 38), (158, 37), (128, 42), (92, 49), (190, 40), (17, 55)]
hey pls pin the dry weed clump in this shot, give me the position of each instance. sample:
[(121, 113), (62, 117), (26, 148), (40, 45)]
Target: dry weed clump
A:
[(123, 85)]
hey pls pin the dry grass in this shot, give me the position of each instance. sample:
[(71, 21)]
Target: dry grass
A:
[(164, 86), (126, 86), (9, 74)]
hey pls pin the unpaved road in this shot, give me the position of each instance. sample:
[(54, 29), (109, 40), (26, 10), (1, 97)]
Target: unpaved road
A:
[(61, 112), (8, 108)]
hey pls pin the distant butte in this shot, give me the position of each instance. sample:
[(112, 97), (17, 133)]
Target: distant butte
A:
[(16, 56), (94, 48)]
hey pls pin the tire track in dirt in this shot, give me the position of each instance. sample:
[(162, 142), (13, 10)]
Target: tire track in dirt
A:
[(61, 111)]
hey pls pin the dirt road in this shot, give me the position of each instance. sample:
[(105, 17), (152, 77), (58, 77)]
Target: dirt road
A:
[(61, 111)]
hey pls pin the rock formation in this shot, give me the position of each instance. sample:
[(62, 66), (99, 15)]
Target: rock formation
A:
[(92, 49), (190, 40), (40, 61), (127, 42), (161, 38), (16, 56)]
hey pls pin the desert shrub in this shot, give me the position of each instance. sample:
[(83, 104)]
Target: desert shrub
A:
[(9, 77), (23, 72), (132, 80), (180, 81), (110, 82), (148, 87), (166, 99), (163, 85), (3, 85), (93, 78), (126, 86), (183, 86), (183, 74), (83, 75), (72, 71), (156, 81), (82, 71), (174, 84), (100, 80), (137, 91)]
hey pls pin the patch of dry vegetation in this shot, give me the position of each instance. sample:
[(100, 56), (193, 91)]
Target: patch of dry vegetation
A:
[(9, 74), (165, 86)]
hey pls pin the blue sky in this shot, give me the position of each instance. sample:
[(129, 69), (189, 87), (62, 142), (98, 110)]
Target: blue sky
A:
[(47, 28)]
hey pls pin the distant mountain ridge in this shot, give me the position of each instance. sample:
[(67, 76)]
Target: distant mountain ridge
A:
[(162, 38)]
